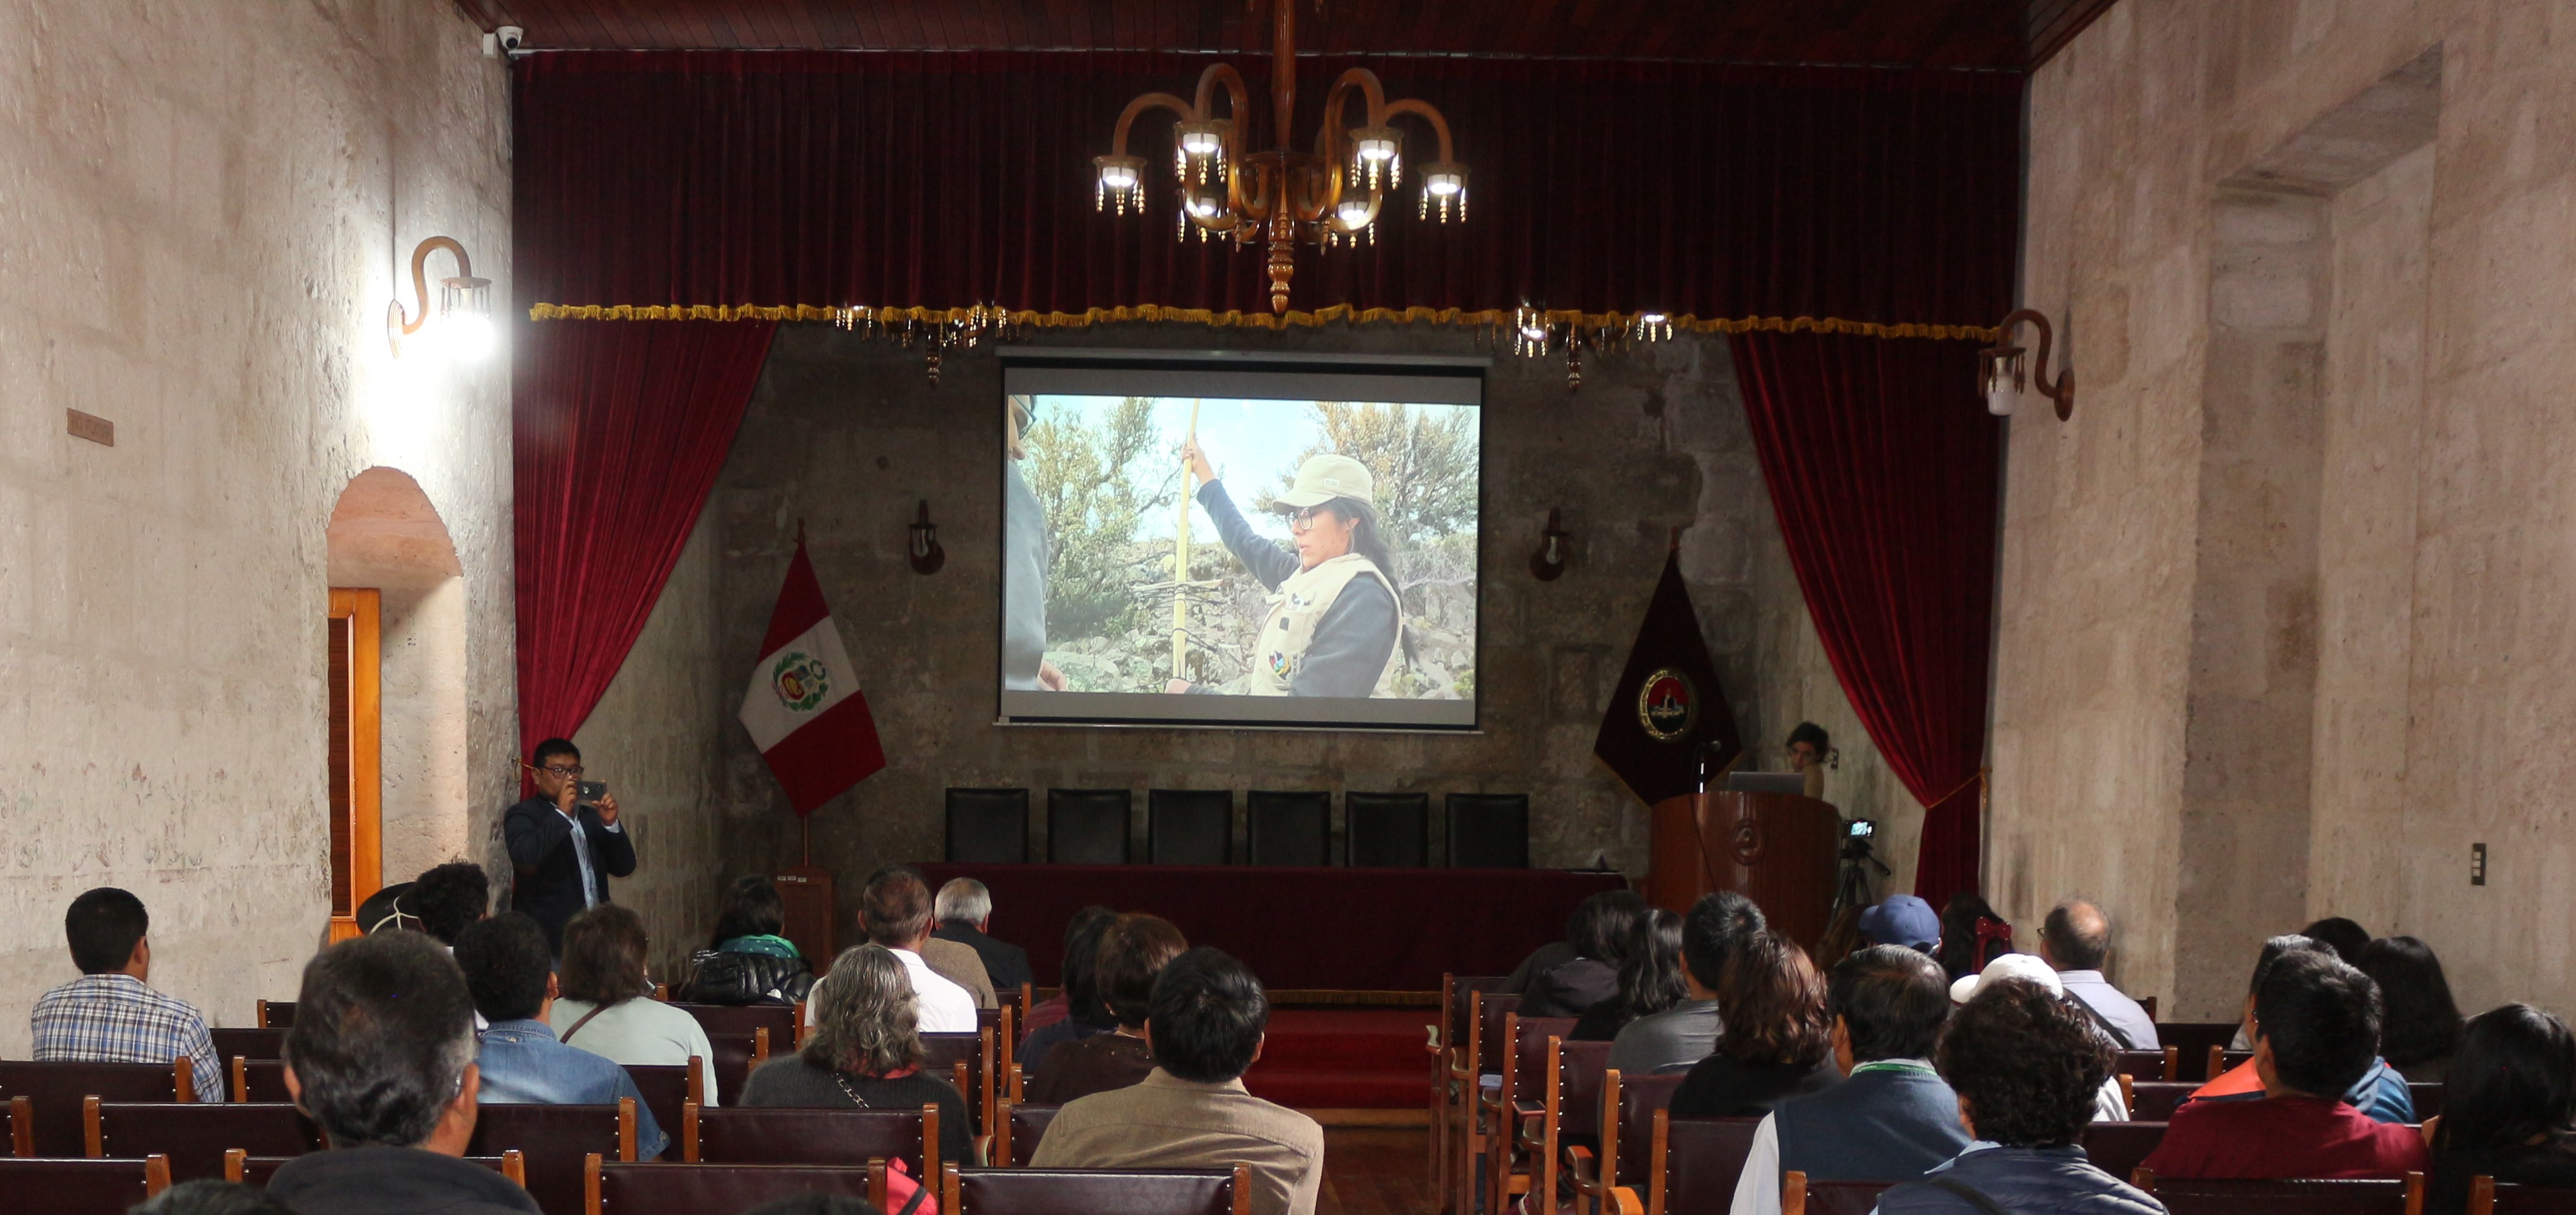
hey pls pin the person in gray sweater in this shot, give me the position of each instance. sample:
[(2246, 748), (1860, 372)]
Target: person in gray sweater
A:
[(1680, 1036), (865, 1053)]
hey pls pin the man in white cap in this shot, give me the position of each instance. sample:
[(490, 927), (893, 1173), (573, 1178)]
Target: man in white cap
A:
[(2108, 1104), (1332, 626)]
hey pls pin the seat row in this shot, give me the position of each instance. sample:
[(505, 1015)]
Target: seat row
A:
[(1196, 827)]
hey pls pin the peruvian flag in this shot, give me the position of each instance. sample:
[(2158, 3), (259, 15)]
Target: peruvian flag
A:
[(804, 708)]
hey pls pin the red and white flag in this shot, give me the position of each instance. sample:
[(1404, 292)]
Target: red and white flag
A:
[(804, 708)]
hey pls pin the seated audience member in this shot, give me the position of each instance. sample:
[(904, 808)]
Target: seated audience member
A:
[(894, 910), (1902, 919), (1081, 1012), (2345, 937), (2026, 1063), (965, 913), (1892, 1118), (448, 897), (607, 1007), (746, 961), (381, 1058), (1597, 933), (865, 1052), (2381, 1092), (1621, 904), (2316, 1034), (2109, 1105), (208, 1196), (509, 972), (961, 965), (1971, 935), (2510, 1113), (2420, 1023), (1133, 951), (1205, 1027), (1650, 978), (1680, 1036), (2074, 940), (111, 1014), (1778, 1042)]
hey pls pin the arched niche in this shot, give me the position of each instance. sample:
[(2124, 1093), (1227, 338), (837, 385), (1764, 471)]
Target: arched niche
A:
[(385, 535)]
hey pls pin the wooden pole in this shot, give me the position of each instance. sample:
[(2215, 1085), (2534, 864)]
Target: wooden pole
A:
[(1181, 565)]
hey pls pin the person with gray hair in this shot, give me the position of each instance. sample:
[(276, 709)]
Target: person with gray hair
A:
[(864, 1052), (381, 1058), (965, 914), (2074, 940)]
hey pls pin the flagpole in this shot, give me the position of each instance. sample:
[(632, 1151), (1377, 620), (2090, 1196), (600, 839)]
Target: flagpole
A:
[(805, 823), (1181, 563)]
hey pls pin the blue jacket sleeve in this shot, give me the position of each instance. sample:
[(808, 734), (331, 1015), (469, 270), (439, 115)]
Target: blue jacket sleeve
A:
[(1264, 557)]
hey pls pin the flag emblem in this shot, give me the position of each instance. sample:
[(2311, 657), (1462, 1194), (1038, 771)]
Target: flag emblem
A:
[(1667, 705), (801, 681)]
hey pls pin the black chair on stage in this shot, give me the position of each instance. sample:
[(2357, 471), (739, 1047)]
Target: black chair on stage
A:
[(1387, 830), (1088, 826), (988, 826), (1488, 830), (1189, 826), (1288, 828)]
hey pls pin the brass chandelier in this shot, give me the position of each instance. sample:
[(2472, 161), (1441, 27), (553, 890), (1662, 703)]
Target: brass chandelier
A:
[(1330, 196)]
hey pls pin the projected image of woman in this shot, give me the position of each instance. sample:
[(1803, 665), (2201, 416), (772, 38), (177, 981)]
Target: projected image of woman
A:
[(1332, 626), (1024, 563)]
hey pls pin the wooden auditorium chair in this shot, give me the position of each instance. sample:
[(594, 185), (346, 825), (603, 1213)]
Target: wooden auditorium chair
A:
[(2191, 1041), (1628, 1109), (1475, 1058), (1290, 828), (2149, 1064), (2118, 1148), (668, 1088), (847, 1138), (54, 1092), (1523, 1070), (249, 1043), (779, 1019), (1692, 1164), (1582, 1069), (1799, 1196), (1454, 1078), (76, 1186), (554, 1139), (2222, 1061), (2154, 1101), (1189, 826), (2428, 1099), (193, 1136), (254, 1171), (259, 1080), (1017, 1130), (2211, 1196), (1386, 830), (1124, 1191), (274, 1014), (967, 1061), (1089, 826), (2487, 1196), (737, 1056), (1486, 830), (988, 826), (718, 1189), (21, 1115)]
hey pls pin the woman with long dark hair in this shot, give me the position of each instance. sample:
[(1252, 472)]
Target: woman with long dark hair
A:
[(1650, 978), (1334, 623), (1971, 935), (746, 961), (2419, 1022), (1778, 1042), (2510, 1110)]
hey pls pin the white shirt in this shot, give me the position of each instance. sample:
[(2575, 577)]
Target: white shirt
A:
[(942, 1006), (581, 853)]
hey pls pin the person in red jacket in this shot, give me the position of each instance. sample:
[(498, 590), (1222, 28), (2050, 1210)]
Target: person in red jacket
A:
[(2316, 1027)]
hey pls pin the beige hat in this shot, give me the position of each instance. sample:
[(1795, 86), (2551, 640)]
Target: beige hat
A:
[(1324, 478)]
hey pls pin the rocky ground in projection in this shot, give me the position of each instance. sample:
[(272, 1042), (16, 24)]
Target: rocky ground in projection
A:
[(1110, 487)]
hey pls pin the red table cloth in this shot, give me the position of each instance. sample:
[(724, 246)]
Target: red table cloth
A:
[(1307, 929)]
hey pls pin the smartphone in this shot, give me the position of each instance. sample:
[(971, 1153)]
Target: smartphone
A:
[(591, 790)]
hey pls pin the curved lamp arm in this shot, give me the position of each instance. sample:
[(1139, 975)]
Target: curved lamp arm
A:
[(2061, 389), (398, 325)]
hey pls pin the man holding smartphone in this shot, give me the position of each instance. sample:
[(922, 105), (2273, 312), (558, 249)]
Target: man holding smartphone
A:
[(564, 843)]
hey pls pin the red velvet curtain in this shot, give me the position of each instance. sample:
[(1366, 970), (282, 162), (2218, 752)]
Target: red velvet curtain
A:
[(619, 432), (1882, 465)]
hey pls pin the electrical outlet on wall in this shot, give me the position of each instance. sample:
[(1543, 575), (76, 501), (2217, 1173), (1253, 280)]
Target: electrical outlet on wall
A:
[(2477, 864)]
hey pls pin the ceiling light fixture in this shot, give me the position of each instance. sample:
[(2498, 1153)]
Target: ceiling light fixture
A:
[(462, 325), (1326, 197), (1534, 334)]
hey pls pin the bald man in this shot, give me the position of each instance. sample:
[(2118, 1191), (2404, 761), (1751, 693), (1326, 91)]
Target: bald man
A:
[(2074, 940)]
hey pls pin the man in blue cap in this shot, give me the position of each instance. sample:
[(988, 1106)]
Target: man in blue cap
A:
[(1903, 919)]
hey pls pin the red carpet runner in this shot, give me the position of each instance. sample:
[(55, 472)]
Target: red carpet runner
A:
[(1369, 1058)]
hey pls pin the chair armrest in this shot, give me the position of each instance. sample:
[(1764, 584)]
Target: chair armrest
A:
[(1623, 1200), (1580, 1163)]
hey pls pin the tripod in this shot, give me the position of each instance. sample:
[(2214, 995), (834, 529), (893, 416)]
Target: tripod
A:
[(1851, 888)]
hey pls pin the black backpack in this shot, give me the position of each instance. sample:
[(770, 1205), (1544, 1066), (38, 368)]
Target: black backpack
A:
[(746, 978)]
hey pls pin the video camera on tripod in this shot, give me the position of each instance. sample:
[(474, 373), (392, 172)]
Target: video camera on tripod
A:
[(1851, 889)]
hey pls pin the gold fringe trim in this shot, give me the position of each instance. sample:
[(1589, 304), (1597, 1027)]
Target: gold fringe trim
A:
[(1337, 313)]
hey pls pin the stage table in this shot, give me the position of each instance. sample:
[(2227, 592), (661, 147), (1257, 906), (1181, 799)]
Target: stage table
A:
[(1302, 929)]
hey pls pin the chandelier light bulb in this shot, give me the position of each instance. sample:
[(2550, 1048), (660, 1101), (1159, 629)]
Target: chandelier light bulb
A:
[(1203, 138), (1355, 213), (1122, 183), (1444, 192), (2003, 384)]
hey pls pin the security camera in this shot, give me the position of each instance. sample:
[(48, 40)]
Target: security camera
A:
[(509, 36)]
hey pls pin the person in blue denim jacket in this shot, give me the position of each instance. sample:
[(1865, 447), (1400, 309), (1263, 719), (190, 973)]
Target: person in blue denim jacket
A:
[(510, 971)]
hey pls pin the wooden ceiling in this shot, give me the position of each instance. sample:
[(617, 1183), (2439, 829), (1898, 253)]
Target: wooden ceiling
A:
[(2006, 35)]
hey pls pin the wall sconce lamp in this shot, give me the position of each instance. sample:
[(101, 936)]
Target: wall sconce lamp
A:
[(462, 324), (2001, 368), (926, 554), (1548, 563)]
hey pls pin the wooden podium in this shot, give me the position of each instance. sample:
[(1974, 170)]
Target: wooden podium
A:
[(1778, 849)]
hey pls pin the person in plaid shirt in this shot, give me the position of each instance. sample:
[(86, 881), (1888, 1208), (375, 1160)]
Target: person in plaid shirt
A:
[(110, 1014)]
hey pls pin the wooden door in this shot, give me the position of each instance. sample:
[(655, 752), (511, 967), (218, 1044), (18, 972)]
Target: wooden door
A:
[(357, 756)]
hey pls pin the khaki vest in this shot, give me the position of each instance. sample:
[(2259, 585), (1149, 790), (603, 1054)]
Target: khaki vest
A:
[(1296, 607)]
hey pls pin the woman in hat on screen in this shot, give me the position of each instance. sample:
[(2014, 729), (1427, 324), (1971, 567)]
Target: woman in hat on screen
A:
[(1332, 625)]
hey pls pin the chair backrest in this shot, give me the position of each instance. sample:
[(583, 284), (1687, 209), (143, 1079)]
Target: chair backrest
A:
[(1491, 1012), (845, 1137), (1584, 1064), (736, 1057), (778, 1019), (1288, 828), (195, 1136), (259, 1080), (2427, 1098), (274, 1014), (1487, 830), (1640, 1099), (554, 1139), (1387, 830), (1018, 1130), (74, 1186), (1525, 1054), (1189, 826), (988, 826), (665, 1087), (249, 1043), (257, 1170), (1462, 989), (964, 1060), (1844, 1197), (1125, 1191), (2118, 1148), (2526, 1200), (1703, 1158), (2189, 1196), (2155, 1101), (55, 1091), (1089, 826), (2191, 1041), (701, 1189), (2146, 1065)]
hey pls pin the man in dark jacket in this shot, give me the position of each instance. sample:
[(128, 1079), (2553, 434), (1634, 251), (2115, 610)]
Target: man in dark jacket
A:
[(2026, 1066), (381, 1057), (563, 850), (964, 910)]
